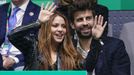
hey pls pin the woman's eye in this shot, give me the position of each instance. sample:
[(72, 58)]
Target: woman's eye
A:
[(63, 25), (55, 25)]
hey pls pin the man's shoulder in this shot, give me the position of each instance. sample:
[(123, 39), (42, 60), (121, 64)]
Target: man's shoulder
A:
[(113, 45), (3, 6), (111, 40), (34, 5)]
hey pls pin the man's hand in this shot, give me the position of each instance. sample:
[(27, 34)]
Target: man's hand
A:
[(8, 62), (98, 28), (46, 12)]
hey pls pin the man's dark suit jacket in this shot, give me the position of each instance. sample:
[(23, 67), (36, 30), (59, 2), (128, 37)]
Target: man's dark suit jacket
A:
[(4, 9), (109, 58)]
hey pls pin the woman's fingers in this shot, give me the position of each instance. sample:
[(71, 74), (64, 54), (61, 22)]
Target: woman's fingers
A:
[(46, 7), (50, 7), (54, 8), (42, 6)]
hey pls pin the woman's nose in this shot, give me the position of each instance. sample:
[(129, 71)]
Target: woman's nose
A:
[(60, 28)]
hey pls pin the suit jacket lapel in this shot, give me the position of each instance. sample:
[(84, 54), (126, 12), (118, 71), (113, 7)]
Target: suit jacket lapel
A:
[(28, 14), (3, 21), (99, 68), (93, 56)]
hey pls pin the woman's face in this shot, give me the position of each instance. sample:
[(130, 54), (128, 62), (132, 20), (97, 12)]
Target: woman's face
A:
[(58, 29)]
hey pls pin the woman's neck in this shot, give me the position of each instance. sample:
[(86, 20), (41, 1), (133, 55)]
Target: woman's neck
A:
[(53, 56), (54, 52)]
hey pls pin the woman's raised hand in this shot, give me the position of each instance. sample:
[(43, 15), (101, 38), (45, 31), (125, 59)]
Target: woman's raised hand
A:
[(46, 12)]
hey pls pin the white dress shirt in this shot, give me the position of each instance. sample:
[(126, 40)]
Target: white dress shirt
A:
[(20, 14)]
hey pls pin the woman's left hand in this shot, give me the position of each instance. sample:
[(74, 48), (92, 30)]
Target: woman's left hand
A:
[(46, 12)]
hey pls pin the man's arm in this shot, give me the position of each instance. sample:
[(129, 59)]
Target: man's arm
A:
[(121, 61)]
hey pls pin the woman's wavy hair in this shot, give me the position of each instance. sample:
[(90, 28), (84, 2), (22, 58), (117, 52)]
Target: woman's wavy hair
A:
[(67, 52)]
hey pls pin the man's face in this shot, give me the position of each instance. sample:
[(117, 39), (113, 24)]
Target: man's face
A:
[(18, 2), (83, 23)]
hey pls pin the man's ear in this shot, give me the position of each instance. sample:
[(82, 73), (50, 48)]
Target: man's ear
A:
[(72, 26)]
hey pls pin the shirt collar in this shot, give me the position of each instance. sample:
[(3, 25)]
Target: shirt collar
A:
[(22, 7), (81, 50), (95, 45), (79, 46)]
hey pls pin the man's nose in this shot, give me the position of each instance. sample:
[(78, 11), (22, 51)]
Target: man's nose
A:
[(85, 22)]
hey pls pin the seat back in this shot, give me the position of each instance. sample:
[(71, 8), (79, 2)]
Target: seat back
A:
[(127, 35)]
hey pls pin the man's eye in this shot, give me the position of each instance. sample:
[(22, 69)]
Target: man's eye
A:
[(88, 18), (79, 19)]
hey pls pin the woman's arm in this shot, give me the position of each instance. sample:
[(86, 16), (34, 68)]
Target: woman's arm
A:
[(21, 37)]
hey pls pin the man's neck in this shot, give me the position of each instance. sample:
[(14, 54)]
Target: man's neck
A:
[(85, 43), (21, 3)]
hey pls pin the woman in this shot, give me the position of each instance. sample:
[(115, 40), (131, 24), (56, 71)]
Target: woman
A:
[(52, 48)]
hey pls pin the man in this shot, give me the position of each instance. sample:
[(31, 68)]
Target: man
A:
[(103, 56), (28, 12), (99, 10)]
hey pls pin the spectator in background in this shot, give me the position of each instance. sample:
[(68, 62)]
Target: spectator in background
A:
[(27, 12)]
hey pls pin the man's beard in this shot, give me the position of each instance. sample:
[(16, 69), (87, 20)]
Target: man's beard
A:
[(79, 34)]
